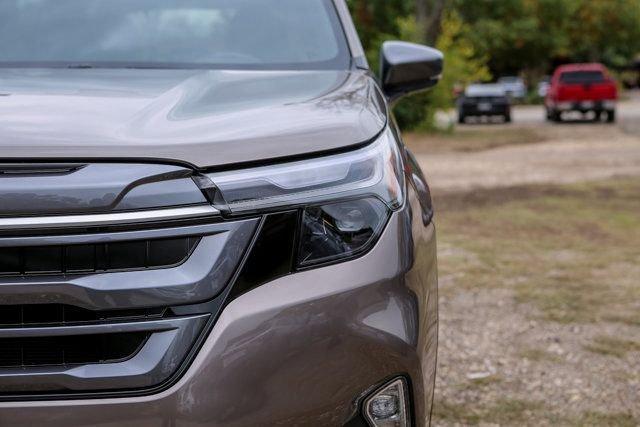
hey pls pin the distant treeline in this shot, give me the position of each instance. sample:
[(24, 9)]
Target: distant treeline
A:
[(485, 39)]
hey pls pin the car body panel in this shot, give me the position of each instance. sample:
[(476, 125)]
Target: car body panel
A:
[(205, 118), (376, 316), (63, 189), (295, 346), (485, 90)]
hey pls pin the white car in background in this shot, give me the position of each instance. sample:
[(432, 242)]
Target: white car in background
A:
[(513, 86), (543, 86)]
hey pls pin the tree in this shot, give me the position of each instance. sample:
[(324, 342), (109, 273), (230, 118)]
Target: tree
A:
[(605, 31), (380, 20), (526, 37), (517, 34), (463, 65), (531, 36), (377, 21), (429, 18)]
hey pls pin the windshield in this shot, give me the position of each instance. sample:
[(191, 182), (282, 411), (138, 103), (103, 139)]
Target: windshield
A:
[(246, 34), (484, 90), (581, 77)]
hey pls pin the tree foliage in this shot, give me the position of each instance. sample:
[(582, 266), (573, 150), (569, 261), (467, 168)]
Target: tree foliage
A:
[(605, 30), (429, 14), (481, 38), (534, 35), (377, 21), (463, 65)]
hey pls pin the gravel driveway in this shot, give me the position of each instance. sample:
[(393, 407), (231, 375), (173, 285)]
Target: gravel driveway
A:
[(572, 152), (503, 359)]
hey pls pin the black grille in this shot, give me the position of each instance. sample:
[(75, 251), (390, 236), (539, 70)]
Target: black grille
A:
[(60, 315), (69, 350), (101, 257)]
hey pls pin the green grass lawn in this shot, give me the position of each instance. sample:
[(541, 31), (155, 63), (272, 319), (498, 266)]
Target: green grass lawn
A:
[(570, 255), (574, 251)]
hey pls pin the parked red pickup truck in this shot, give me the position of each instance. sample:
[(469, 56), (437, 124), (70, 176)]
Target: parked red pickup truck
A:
[(583, 88)]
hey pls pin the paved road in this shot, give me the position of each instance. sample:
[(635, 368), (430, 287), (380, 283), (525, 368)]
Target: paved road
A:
[(628, 113), (571, 152)]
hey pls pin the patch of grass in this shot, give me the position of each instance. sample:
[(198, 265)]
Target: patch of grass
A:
[(611, 346), (522, 412), (568, 254), (631, 319), (567, 299), (539, 355), (606, 420), (472, 139), (571, 251), (505, 411), (480, 383), (454, 412)]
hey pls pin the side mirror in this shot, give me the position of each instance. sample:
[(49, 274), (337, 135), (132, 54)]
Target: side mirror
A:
[(408, 67)]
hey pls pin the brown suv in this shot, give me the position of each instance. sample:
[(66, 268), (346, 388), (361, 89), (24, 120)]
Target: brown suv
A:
[(208, 218)]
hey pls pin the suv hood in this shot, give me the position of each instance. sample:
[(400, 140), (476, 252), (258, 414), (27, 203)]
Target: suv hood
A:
[(204, 118)]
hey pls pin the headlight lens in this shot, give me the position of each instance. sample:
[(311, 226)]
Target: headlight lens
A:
[(344, 200), (339, 230), (375, 170)]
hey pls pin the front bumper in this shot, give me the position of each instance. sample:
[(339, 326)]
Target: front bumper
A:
[(303, 349), (474, 110), (583, 106)]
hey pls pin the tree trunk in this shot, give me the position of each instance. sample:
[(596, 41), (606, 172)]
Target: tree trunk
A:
[(429, 16)]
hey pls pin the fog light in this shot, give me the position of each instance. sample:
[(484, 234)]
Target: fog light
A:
[(383, 406), (388, 406)]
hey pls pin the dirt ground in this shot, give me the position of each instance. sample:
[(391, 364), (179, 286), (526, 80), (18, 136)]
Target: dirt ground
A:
[(532, 152), (539, 252)]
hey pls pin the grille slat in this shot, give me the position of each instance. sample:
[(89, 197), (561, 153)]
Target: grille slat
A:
[(99, 257), (60, 310), (69, 350), (62, 315), (25, 353)]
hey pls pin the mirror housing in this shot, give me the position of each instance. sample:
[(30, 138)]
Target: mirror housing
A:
[(407, 68)]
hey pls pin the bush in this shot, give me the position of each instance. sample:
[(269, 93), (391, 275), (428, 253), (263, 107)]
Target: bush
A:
[(462, 67), (380, 20)]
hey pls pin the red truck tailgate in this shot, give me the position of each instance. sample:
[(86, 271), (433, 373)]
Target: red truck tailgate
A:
[(587, 92)]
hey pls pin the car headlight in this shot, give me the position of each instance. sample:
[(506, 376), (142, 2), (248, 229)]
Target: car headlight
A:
[(333, 231), (344, 200)]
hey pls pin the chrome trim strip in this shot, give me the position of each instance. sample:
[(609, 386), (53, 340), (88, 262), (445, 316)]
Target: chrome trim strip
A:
[(97, 329), (43, 222), (200, 278), (158, 358), (200, 230)]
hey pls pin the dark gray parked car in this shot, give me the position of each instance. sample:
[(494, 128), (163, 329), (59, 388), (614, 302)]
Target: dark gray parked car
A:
[(208, 218), (484, 100)]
